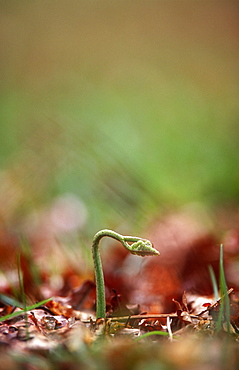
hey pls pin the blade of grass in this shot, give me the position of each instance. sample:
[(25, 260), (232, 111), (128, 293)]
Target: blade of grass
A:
[(155, 332), (214, 282), (26, 251), (224, 312), (26, 309), (20, 280), (9, 301)]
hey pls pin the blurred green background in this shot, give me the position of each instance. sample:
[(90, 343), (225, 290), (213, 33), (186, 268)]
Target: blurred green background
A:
[(132, 106)]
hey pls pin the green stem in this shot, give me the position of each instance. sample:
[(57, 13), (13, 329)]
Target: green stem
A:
[(138, 246)]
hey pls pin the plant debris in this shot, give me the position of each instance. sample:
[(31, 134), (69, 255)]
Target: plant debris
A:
[(166, 328)]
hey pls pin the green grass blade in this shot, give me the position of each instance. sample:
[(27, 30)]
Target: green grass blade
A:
[(20, 281), (155, 332), (224, 312), (214, 282), (9, 301), (28, 308)]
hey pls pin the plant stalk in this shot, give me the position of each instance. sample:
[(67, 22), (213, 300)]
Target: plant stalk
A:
[(138, 246)]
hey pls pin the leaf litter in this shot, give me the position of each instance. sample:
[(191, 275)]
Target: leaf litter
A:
[(160, 312)]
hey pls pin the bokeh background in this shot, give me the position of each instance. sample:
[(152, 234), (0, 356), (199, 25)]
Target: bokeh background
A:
[(114, 111)]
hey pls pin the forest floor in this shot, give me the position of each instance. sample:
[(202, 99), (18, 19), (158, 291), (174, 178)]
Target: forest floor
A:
[(171, 311)]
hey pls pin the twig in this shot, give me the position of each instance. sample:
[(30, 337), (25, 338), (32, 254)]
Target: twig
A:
[(215, 303), (146, 316)]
